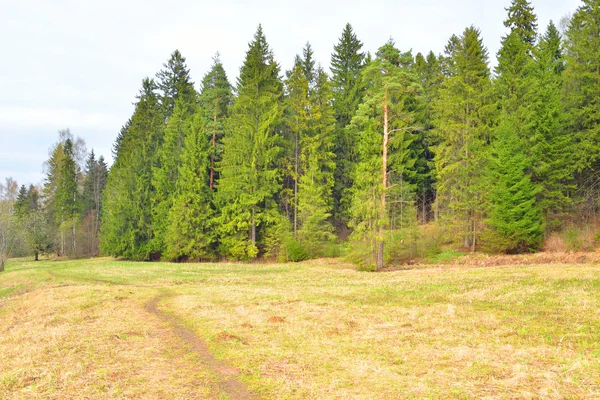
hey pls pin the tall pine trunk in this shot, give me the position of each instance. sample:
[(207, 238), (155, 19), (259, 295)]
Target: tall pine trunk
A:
[(296, 188), (384, 185)]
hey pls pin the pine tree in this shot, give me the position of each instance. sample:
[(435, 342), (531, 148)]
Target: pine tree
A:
[(215, 99), (384, 125), (515, 215), (174, 82), (190, 232), (250, 177), (463, 117), (347, 63)]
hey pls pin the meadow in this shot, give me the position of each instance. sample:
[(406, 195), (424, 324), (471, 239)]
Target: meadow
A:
[(102, 328)]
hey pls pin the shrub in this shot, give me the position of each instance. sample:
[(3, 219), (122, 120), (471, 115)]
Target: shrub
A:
[(296, 251)]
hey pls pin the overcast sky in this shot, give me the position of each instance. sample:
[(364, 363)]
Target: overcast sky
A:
[(79, 64)]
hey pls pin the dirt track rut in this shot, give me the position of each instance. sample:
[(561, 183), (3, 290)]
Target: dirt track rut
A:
[(228, 382)]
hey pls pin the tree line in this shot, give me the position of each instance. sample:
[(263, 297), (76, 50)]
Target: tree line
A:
[(291, 164), (63, 215)]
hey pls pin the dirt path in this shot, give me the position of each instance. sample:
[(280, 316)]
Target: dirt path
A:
[(228, 382)]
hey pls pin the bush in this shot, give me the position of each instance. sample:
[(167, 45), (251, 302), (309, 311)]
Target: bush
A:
[(572, 239), (577, 239), (296, 251)]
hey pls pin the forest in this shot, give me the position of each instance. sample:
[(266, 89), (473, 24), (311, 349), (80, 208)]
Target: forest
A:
[(383, 158)]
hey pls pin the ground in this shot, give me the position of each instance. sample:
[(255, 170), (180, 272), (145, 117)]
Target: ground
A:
[(316, 330)]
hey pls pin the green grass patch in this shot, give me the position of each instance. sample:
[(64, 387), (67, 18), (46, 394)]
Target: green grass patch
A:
[(315, 329)]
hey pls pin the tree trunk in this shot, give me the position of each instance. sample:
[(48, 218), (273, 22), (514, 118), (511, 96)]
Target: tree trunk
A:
[(74, 242), (1, 264), (380, 254), (36, 253), (296, 191), (212, 157), (253, 230), (384, 185), (473, 238)]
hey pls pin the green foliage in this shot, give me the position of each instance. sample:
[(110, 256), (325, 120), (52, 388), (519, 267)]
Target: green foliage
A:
[(582, 90), (463, 117), (430, 75), (127, 228), (347, 63), (272, 168), (310, 123), (578, 239), (215, 99), (190, 232), (515, 215), (250, 177), (62, 197), (385, 111), (166, 174), (552, 152), (174, 83), (522, 20), (32, 220)]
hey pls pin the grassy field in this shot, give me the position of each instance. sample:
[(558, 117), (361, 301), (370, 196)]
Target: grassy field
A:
[(316, 330)]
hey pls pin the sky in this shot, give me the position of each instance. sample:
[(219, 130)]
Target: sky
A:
[(79, 64)]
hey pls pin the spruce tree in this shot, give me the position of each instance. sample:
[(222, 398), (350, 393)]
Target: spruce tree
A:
[(310, 123), (297, 109), (315, 186), (21, 205), (250, 177), (127, 226), (190, 232), (347, 63), (166, 173), (582, 95), (522, 20), (430, 73), (515, 216), (463, 118), (174, 82), (514, 69), (551, 146), (215, 99)]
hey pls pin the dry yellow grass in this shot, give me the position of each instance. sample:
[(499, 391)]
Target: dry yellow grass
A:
[(314, 330)]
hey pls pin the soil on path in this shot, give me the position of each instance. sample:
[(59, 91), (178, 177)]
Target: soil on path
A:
[(228, 382)]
